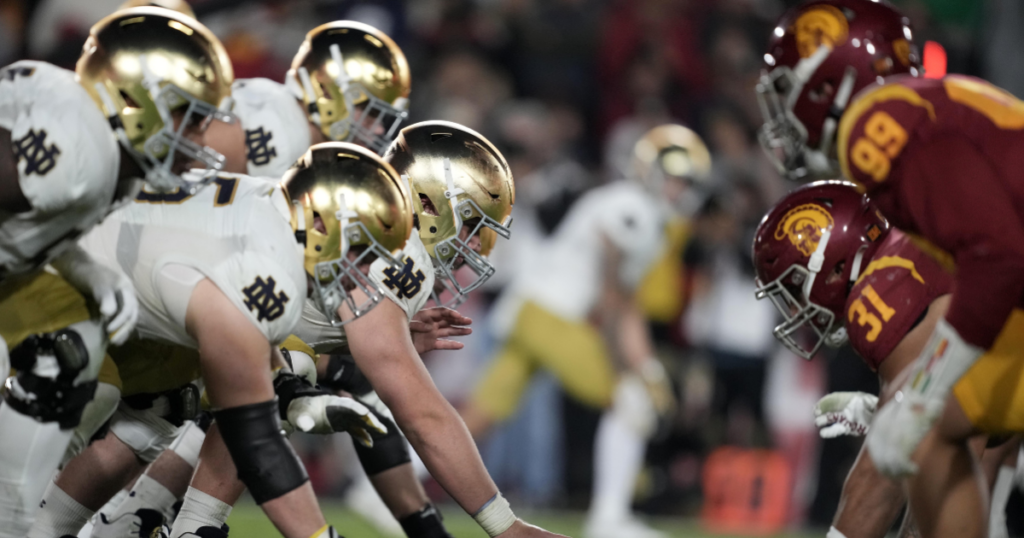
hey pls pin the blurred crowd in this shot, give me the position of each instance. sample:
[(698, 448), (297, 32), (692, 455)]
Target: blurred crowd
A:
[(565, 88)]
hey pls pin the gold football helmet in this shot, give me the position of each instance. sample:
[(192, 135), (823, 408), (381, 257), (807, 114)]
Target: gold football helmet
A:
[(669, 154), (354, 82), (345, 197), (142, 66), (181, 6), (457, 179)]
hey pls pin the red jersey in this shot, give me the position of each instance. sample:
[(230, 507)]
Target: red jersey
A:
[(890, 297), (944, 159)]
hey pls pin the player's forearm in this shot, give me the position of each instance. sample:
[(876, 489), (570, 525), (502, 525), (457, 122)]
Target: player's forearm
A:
[(870, 502), (634, 337), (442, 440)]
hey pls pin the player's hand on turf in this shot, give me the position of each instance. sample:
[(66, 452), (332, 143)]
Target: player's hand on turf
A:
[(431, 328), (110, 288), (844, 413), (522, 529), (327, 413)]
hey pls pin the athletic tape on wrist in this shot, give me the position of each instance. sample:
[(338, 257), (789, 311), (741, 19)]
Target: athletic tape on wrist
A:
[(834, 533), (496, 516)]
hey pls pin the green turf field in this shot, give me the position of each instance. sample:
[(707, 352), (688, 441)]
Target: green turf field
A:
[(247, 521)]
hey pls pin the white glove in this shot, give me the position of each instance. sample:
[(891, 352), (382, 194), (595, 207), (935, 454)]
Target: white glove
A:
[(901, 425), (327, 413), (659, 387), (844, 413), (110, 288)]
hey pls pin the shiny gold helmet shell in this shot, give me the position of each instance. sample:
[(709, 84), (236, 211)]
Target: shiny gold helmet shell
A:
[(673, 151), (364, 102), (181, 6), (140, 66), (359, 201), (456, 177)]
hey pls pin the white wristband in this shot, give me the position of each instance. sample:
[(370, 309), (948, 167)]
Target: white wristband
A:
[(496, 516), (834, 533)]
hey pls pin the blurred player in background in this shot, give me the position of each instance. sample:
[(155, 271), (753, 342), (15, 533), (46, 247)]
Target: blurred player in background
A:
[(575, 315), (835, 270), (941, 158), (141, 74)]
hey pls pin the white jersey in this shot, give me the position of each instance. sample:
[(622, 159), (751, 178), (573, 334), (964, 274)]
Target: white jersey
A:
[(235, 232), (276, 129), (567, 277), (67, 157), (409, 288)]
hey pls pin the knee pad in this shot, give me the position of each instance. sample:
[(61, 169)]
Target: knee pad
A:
[(343, 374), (57, 373), (95, 416), (389, 450), (266, 463)]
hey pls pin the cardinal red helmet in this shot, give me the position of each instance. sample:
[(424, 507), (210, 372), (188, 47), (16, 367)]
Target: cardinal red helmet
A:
[(808, 252), (820, 54)]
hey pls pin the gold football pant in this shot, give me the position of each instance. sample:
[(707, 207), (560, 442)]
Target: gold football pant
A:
[(41, 302), (991, 393), (573, 351)]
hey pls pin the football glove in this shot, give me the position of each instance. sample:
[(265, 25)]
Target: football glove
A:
[(844, 413), (328, 413), (110, 288), (658, 386), (902, 423)]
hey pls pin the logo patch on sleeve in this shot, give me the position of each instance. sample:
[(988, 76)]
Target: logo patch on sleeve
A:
[(39, 159), (261, 298), (407, 282), (258, 148)]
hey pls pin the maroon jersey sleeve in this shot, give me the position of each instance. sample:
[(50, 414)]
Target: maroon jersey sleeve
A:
[(950, 194), (922, 158), (887, 301)]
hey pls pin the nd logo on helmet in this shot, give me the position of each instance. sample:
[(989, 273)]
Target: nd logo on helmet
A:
[(804, 226), (820, 25)]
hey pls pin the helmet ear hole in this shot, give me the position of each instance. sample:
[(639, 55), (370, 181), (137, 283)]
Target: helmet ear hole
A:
[(318, 223), (428, 205), (128, 101), (822, 93)]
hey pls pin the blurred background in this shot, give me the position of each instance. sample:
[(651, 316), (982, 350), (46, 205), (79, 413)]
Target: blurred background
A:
[(564, 88)]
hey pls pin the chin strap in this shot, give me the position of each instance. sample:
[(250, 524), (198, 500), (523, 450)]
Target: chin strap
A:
[(343, 214), (300, 228), (815, 263), (843, 95), (858, 259), (307, 87)]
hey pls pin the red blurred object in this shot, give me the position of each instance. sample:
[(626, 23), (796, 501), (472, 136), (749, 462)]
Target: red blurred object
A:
[(746, 492), (934, 60)]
